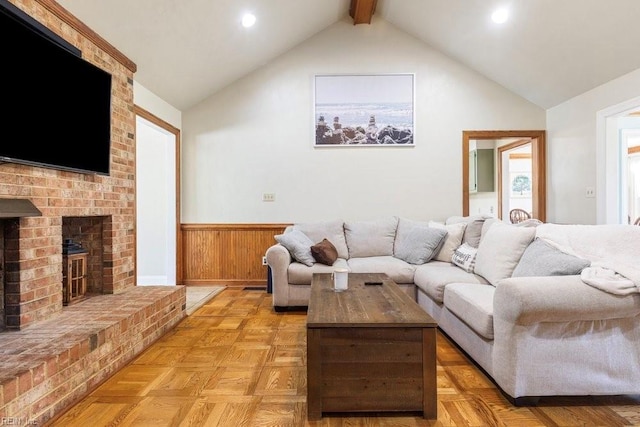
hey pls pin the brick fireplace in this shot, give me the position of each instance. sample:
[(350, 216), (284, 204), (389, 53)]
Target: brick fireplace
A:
[(32, 285), (50, 354), (72, 202)]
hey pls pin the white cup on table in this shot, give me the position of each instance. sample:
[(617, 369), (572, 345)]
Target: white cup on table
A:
[(340, 279)]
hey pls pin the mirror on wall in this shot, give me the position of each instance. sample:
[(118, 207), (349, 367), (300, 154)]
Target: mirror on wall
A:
[(503, 174)]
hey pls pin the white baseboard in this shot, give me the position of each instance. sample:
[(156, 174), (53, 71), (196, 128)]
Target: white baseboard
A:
[(154, 281)]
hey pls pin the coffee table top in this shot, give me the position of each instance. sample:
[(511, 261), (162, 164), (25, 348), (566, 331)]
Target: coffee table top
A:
[(363, 305)]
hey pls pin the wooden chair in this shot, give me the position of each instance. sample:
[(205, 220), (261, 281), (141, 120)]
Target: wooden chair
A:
[(518, 215)]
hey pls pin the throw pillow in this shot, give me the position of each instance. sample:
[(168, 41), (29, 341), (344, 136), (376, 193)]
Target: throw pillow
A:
[(298, 245), (542, 259), (324, 252), (465, 257), (473, 231), (417, 243), (455, 232), (371, 238), (332, 230), (532, 222), (500, 250)]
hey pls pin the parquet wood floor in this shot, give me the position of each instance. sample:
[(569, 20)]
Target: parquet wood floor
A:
[(235, 362)]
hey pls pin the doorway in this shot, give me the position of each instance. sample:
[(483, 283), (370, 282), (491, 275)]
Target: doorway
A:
[(616, 155), (508, 140), (157, 201), (515, 177), (630, 178)]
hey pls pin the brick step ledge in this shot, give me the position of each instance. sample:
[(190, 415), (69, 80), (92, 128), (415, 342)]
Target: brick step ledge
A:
[(50, 365)]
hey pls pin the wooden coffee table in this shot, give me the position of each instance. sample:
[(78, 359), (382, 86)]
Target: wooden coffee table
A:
[(369, 349)]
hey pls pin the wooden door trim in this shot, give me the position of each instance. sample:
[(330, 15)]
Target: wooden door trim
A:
[(538, 165)]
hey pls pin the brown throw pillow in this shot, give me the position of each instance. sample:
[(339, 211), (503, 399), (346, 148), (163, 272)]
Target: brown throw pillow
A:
[(324, 252)]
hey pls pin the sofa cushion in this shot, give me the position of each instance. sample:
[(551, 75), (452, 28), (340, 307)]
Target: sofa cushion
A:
[(333, 231), (542, 259), (416, 242), (371, 238), (473, 229), (324, 252), (398, 270), (455, 233), (531, 222), (299, 246), (432, 278), (500, 250), (617, 245), (473, 304), (300, 274)]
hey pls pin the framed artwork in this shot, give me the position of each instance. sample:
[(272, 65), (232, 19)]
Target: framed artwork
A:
[(364, 110)]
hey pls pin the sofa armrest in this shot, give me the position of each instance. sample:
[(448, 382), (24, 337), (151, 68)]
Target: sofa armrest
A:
[(531, 300), (279, 259)]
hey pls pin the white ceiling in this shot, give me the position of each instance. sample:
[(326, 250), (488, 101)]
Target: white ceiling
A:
[(549, 50)]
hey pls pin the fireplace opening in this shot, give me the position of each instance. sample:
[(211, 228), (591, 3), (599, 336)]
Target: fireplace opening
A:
[(39, 268), (82, 257)]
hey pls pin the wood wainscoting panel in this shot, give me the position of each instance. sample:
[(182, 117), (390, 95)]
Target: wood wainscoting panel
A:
[(229, 254)]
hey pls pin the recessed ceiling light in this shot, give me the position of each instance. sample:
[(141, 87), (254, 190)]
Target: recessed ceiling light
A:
[(500, 16), (248, 20)]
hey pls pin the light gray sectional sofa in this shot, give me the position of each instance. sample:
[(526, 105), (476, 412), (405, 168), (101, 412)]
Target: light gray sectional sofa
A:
[(544, 309)]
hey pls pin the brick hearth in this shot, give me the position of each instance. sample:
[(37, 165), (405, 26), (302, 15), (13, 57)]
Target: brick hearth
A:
[(50, 365)]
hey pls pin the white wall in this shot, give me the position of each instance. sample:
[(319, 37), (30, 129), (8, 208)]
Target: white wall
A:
[(572, 151), (149, 101), (257, 134)]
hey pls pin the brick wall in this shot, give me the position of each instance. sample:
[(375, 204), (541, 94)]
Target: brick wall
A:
[(33, 246)]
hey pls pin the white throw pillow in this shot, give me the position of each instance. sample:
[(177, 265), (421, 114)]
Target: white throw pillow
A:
[(455, 232), (500, 250), (416, 242), (465, 257), (299, 246), (371, 238)]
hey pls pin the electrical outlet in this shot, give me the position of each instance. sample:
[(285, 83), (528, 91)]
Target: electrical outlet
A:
[(268, 197), (590, 192), (264, 260)]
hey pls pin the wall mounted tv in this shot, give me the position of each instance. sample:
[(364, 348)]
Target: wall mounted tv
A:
[(57, 106)]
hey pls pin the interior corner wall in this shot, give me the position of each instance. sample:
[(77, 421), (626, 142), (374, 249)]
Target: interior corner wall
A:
[(256, 136), (572, 151), (149, 101)]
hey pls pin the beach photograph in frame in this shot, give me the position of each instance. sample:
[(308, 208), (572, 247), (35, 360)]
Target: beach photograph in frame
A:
[(364, 110)]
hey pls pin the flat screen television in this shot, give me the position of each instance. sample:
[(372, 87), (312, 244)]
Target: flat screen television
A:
[(56, 106)]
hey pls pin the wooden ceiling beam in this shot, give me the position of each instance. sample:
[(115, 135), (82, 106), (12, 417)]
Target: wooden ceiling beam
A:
[(362, 10)]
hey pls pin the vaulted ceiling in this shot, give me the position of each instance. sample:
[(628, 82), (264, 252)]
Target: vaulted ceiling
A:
[(547, 52)]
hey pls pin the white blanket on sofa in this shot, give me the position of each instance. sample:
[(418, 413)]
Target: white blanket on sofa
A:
[(608, 280), (614, 252)]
